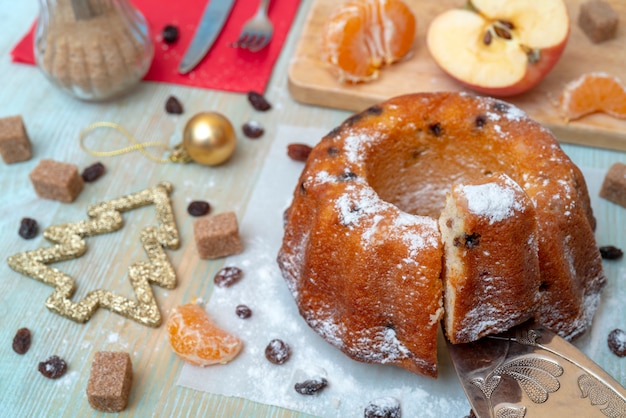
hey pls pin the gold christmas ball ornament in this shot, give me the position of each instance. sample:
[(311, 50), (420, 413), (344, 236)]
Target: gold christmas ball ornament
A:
[(209, 138)]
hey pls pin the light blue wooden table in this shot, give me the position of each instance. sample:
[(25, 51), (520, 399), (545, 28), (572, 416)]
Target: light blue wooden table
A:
[(53, 121)]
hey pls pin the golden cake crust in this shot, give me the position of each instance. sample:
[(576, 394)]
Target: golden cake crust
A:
[(362, 252)]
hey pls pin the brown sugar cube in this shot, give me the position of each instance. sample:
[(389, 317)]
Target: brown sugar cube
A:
[(56, 181), (110, 381), (614, 184), (598, 20), (217, 236), (14, 141)]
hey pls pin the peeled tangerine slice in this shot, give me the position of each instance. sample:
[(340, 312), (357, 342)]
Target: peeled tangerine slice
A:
[(362, 36), (594, 92), (197, 339)]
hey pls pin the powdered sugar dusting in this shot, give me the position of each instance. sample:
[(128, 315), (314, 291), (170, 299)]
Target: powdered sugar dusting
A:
[(492, 201), (382, 347)]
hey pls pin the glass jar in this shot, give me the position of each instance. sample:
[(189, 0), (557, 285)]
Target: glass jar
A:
[(93, 49)]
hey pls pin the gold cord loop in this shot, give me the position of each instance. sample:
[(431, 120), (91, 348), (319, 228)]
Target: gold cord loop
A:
[(177, 155)]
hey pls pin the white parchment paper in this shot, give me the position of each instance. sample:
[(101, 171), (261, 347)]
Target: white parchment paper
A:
[(352, 385)]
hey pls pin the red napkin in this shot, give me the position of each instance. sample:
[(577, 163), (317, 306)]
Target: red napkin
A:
[(224, 67)]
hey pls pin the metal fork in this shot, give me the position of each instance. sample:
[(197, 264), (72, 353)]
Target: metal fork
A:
[(257, 32)]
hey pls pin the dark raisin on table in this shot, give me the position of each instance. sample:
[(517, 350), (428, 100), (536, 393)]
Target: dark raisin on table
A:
[(617, 342), (93, 172), (170, 34), (277, 351), (610, 252), (258, 101), (22, 340), (311, 386), (253, 129), (386, 407), (28, 228), (173, 106), (228, 276), (299, 152), (243, 311), (53, 368), (198, 208)]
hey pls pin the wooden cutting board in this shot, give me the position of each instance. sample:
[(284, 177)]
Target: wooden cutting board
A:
[(311, 83)]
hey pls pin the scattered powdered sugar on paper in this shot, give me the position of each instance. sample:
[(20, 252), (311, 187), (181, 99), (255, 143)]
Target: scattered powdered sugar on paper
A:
[(351, 385)]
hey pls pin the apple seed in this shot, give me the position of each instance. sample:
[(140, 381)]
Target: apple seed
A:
[(487, 38), (507, 24), (533, 54), (502, 32)]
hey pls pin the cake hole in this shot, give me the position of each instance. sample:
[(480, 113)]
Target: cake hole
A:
[(302, 188), (332, 151), (543, 286), (449, 223)]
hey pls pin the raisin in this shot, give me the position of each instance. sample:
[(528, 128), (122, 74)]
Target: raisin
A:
[(228, 276), (467, 240), (170, 34), (258, 101), (21, 341), (311, 387), (198, 208), (435, 128), (28, 228), (299, 152), (609, 252), (93, 172), (617, 342), (347, 176), (173, 106), (480, 121), (53, 368), (386, 407), (277, 351), (253, 129), (243, 311)]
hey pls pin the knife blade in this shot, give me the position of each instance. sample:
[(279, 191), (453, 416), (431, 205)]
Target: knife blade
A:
[(213, 18), (531, 372)]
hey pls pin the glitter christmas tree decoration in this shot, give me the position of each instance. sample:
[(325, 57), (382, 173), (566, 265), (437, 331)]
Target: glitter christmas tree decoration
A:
[(70, 244)]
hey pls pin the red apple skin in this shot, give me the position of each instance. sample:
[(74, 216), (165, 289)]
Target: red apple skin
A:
[(535, 72)]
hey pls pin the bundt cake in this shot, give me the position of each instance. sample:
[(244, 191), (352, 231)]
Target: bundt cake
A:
[(363, 253)]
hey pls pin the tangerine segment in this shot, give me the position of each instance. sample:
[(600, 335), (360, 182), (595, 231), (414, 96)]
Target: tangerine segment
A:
[(197, 339), (362, 36), (594, 92)]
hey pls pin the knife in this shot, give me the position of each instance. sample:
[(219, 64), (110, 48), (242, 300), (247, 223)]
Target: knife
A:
[(531, 372), (212, 22)]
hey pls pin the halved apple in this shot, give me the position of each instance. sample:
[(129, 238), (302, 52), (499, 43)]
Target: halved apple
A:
[(500, 48)]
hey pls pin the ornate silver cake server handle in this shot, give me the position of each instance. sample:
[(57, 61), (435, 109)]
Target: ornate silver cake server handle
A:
[(531, 372)]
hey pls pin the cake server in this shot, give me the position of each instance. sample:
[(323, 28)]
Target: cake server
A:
[(531, 372), (213, 18)]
